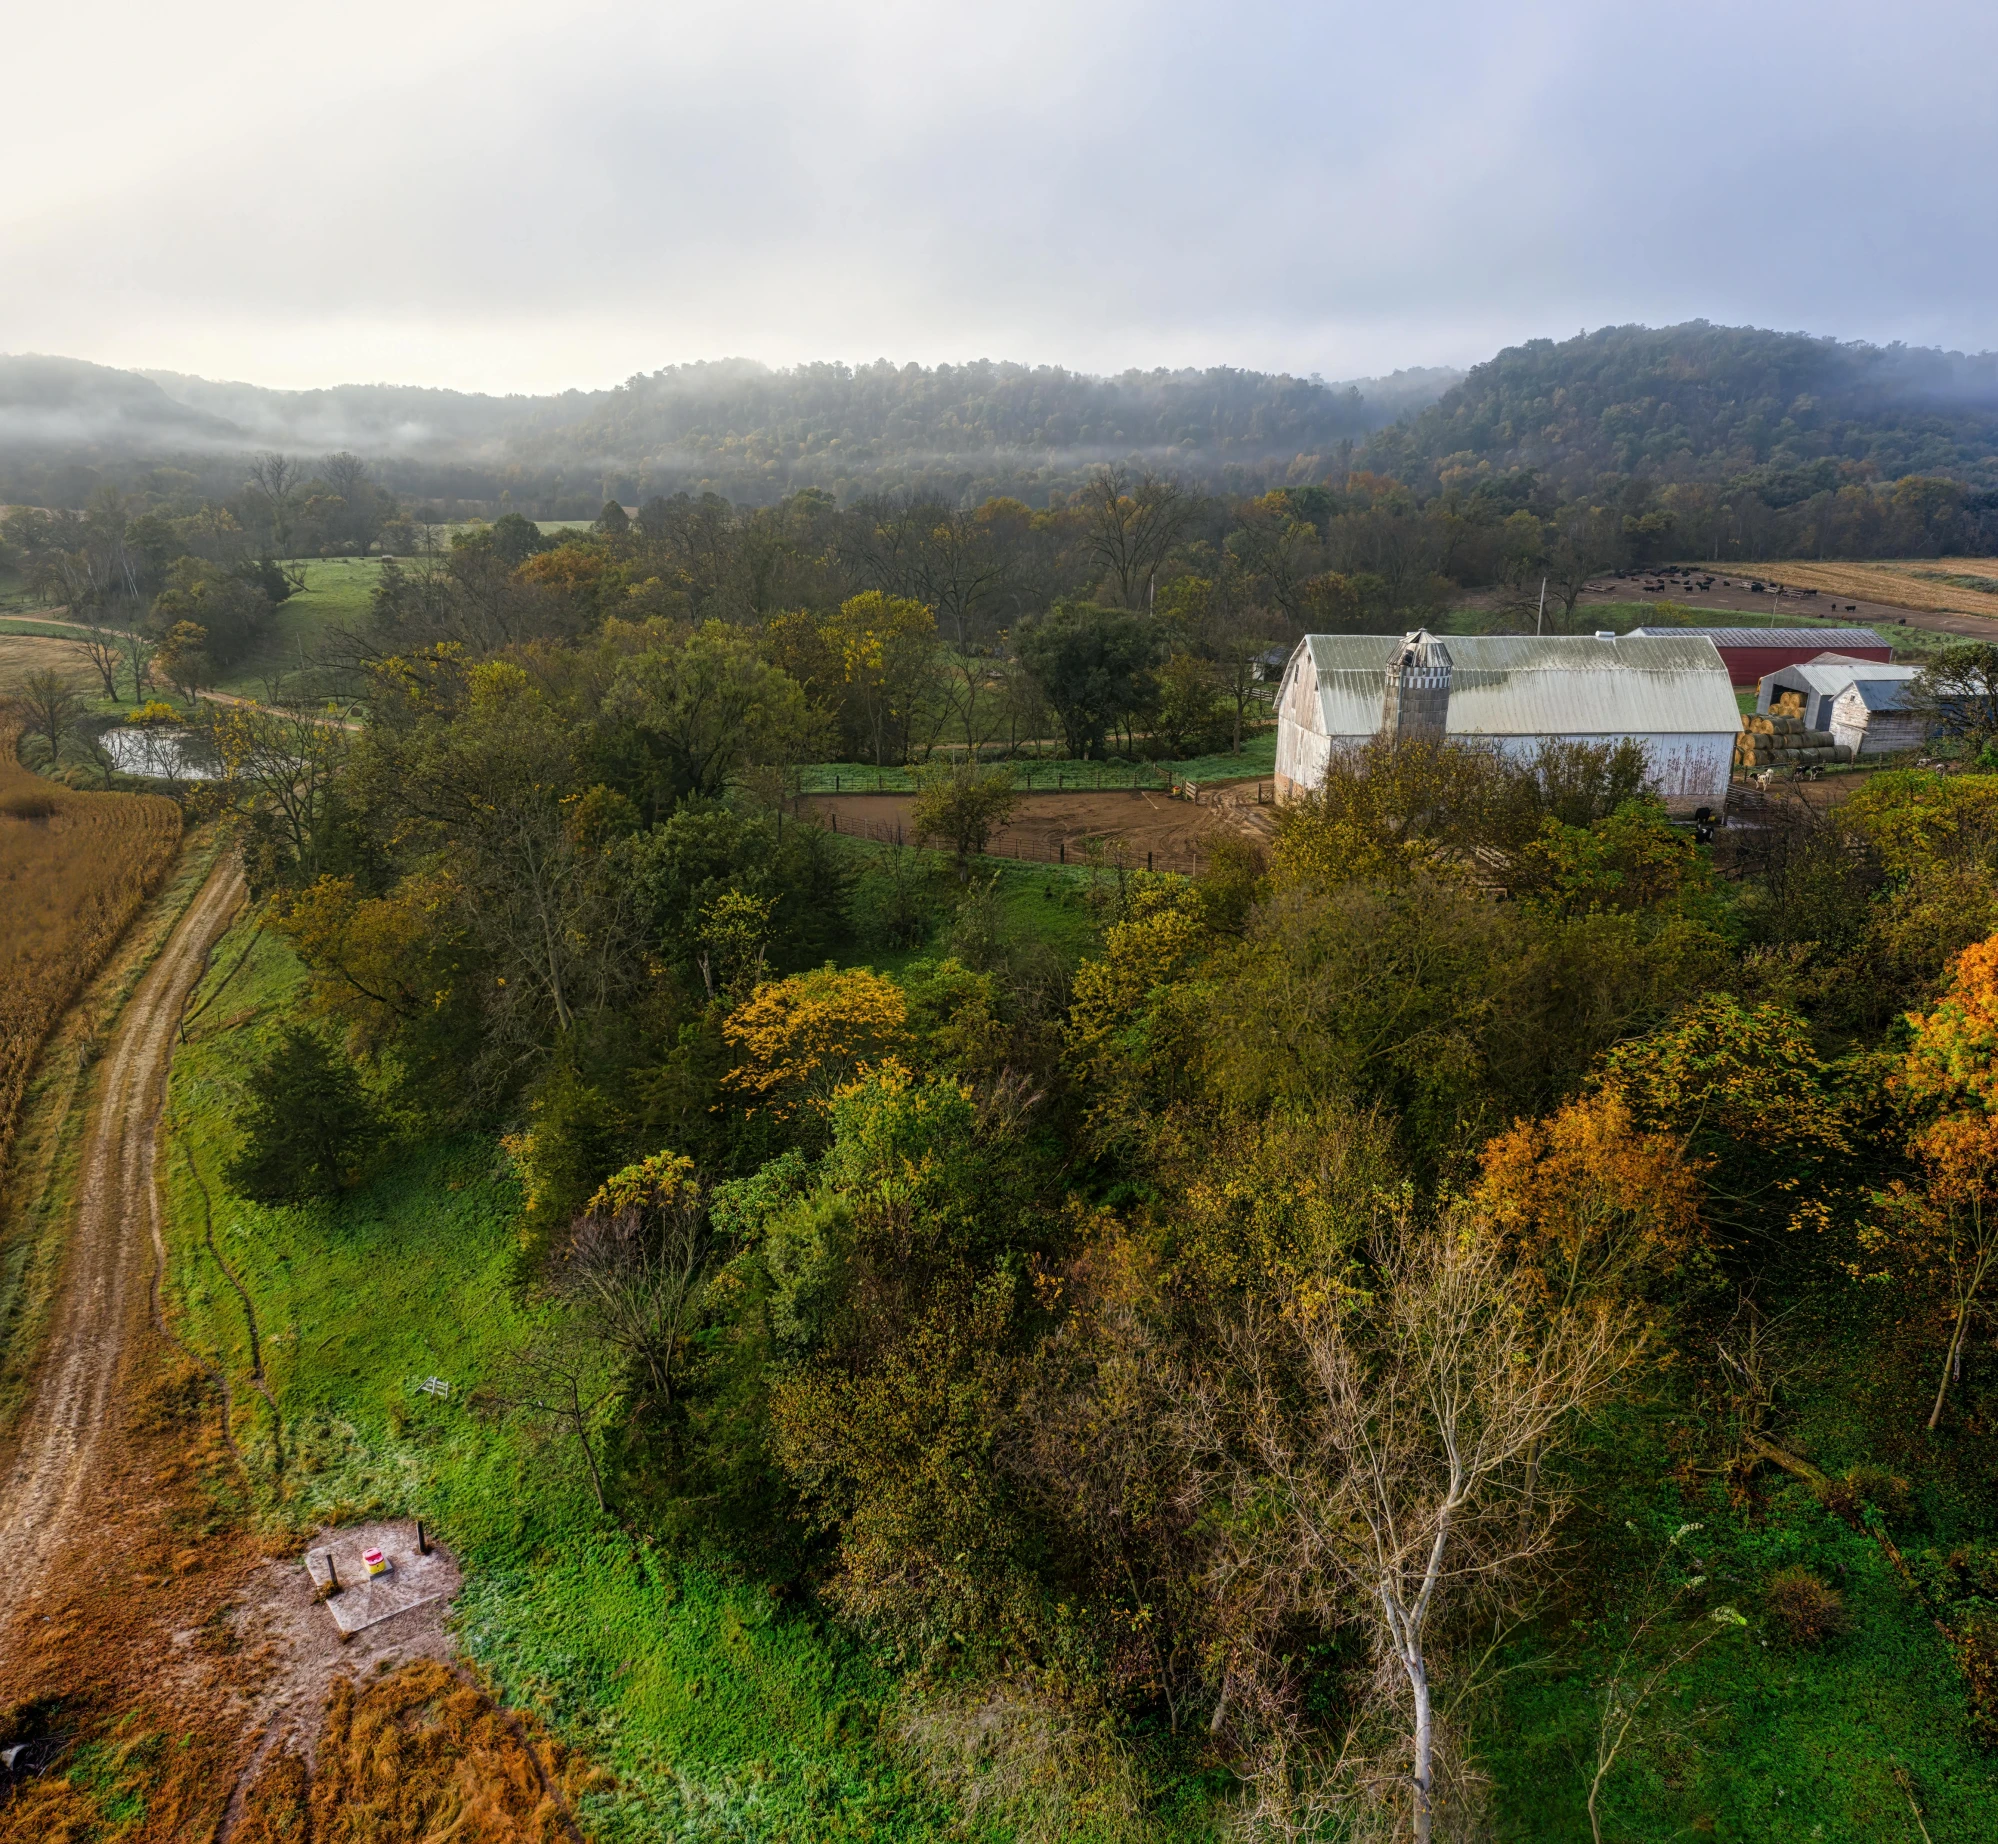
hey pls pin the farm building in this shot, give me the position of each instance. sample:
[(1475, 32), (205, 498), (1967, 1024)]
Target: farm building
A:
[(1751, 653), (1875, 717), (1669, 693), (1811, 689)]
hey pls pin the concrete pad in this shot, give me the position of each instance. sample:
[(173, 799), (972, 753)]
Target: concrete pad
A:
[(357, 1600)]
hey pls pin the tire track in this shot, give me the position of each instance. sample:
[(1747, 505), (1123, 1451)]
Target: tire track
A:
[(107, 1276)]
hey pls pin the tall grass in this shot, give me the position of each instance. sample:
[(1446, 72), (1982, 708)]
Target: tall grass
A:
[(74, 869)]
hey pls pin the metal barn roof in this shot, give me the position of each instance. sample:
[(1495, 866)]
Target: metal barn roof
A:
[(1531, 685), (1815, 639)]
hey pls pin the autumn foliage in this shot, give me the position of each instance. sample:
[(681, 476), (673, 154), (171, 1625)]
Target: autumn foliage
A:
[(1590, 1203), (803, 1038)]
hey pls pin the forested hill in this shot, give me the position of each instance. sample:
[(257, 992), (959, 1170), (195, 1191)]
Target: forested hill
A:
[(745, 430), (827, 425), (1703, 402)]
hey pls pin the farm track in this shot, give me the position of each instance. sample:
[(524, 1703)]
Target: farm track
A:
[(106, 1289)]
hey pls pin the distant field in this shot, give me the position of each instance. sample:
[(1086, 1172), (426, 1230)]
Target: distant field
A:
[(1942, 585)]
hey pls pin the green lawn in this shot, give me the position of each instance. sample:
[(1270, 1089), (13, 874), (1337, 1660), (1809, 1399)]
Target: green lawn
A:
[(1755, 1736)]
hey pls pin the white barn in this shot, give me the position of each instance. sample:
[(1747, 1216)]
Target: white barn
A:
[(1668, 693)]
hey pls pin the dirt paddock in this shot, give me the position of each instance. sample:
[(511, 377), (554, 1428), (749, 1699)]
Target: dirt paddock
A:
[(1177, 833)]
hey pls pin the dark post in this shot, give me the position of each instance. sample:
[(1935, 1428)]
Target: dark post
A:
[(1064, 851), (422, 1542), (1148, 861), (332, 1576)]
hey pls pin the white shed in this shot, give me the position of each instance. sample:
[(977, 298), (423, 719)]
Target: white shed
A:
[(1874, 717), (1669, 693)]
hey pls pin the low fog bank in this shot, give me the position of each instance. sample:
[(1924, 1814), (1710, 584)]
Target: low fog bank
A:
[(736, 425)]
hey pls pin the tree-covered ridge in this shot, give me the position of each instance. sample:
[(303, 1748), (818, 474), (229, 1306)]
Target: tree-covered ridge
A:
[(1793, 413), (748, 431), (883, 409)]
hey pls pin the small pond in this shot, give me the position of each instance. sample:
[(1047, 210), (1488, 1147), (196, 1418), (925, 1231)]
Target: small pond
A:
[(160, 753)]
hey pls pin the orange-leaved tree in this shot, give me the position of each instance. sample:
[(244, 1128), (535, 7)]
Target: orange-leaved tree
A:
[(802, 1039), (1589, 1203), (1948, 1080)]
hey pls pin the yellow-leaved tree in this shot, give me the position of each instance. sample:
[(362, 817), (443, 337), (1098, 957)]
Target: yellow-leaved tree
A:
[(802, 1039)]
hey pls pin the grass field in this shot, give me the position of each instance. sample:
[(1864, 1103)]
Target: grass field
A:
[(1944, 585), (336, 594)]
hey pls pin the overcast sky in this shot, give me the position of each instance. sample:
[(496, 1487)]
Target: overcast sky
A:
[(510, 197)]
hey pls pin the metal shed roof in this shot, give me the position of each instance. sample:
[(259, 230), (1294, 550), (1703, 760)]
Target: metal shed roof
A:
[(1817, 639), (1531, 685), (1833, 672), (1880, 694)]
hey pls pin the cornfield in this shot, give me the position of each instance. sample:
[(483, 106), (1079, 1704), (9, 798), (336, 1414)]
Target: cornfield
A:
[(1922, 582), (74, 869)]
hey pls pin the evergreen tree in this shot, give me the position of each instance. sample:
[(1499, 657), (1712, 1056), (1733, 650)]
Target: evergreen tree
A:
[(304, 1124)]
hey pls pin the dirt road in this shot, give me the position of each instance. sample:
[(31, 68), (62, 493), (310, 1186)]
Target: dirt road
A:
[(109, 1265)]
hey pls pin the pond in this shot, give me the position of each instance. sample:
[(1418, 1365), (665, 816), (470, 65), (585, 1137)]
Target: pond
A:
[(160, 754)]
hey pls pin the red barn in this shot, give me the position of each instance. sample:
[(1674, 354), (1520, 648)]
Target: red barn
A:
[(1751, 654)]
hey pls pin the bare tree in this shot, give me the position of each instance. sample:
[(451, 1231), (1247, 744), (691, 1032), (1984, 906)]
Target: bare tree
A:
[(47, 707), (1131, 528), (102, 648), (560, 1378), (289, 762), (1386, 1449), (1657, 1642), (274, 479)]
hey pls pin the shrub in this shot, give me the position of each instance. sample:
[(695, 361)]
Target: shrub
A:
[(1808, 1609)]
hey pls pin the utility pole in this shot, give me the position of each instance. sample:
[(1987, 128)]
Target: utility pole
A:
[(1542, 615)]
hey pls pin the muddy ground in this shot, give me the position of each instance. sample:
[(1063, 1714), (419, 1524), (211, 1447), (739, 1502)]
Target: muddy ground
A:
[(1176, 832)]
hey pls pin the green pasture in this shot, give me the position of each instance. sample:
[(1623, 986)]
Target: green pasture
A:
[(336, 595)]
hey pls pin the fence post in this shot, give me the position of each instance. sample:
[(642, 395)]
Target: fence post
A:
[(1064, 851), (1148, 861)]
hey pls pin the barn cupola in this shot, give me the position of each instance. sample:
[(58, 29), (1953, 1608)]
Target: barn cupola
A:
[(1416, 700)]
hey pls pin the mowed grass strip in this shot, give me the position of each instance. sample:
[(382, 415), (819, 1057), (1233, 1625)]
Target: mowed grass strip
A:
[(74, 868), (1920, 582)]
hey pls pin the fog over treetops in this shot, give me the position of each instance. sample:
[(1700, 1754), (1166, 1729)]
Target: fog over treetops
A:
[(1695, 401)]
